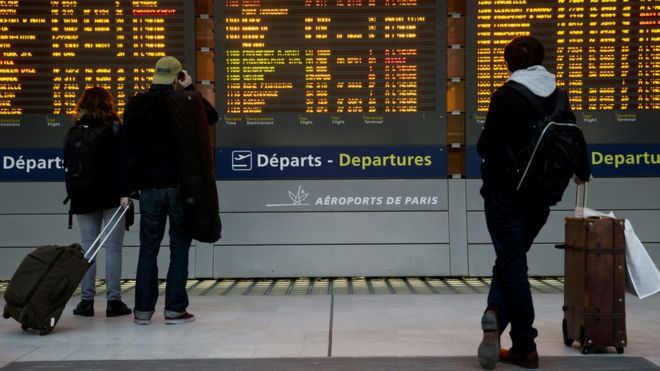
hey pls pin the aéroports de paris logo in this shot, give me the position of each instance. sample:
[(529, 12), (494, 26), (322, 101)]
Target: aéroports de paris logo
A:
[(296, 199), (241, 160)]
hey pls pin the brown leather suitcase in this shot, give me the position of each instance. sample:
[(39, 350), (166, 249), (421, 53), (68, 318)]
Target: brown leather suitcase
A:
[(594, 283)]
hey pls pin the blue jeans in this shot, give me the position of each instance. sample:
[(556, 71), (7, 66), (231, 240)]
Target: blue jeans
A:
[(156, 205), (90, 227), (513, 225)]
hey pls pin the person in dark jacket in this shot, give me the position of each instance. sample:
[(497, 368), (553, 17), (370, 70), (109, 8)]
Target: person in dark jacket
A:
[(513, 220), (148, 164), (95, 109)]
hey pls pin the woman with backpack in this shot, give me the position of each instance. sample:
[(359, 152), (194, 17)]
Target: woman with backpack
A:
[(91, 158)]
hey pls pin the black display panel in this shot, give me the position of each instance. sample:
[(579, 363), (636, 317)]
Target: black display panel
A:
[(331, 72), (50, 51), (605, 53)]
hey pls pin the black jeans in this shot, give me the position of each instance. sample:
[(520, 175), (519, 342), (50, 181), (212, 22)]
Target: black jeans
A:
[(513, 224), (156, 205)]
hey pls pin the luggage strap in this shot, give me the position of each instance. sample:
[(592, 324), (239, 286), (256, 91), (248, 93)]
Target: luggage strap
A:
[(70, 213), (592, 315), (593, 251), (114, 220)]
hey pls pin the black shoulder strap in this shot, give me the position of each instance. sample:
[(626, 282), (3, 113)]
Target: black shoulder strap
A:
[(531, 97), (560, 104)]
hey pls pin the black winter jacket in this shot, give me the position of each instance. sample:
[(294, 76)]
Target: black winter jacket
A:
[(509, 123), (148, 152), (147, 146)]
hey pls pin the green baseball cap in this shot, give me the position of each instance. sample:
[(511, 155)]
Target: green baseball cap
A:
[(166, 71)]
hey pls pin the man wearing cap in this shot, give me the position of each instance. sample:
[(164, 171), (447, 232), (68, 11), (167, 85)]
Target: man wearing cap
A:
[(148, 164)]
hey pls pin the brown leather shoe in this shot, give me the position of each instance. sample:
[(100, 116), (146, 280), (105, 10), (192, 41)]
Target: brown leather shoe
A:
[(490, 344), (526, 360)]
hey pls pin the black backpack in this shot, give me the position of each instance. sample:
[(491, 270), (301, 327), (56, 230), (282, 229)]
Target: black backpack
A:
[(87, 150), (546, 165)]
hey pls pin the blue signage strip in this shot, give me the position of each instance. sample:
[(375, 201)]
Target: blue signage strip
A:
[(607, 160), (264, 163), (30, 164), (625, 160), (331, 163), (472, 163)]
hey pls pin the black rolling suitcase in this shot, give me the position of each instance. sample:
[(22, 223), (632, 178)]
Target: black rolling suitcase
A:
[(47, 278)]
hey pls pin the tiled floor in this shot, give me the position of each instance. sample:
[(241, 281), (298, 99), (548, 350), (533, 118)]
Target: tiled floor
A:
[(245, 326)]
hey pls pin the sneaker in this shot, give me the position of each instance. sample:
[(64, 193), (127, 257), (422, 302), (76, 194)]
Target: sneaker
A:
[(183, 318), (117, 308), (142, 317), (85, 308), (140, 321), (489, 349), (526, 360)]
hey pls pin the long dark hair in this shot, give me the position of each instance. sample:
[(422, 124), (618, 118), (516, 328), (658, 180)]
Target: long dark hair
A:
[(96, 102)]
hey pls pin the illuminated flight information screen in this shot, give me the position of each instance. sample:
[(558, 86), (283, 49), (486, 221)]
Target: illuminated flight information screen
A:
[(605, 53), (50, 51), (328, 72)]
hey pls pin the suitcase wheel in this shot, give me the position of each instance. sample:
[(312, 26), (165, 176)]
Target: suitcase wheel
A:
[(619, 350), (45, 330), (5, 313), (24, 328), (584, 348), (564, 328), (48, 327)]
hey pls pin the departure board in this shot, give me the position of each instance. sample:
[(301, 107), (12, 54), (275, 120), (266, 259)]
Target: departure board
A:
[(606, 53), (316, 72), (51, 50)]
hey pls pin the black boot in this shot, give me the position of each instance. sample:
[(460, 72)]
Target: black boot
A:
[(489, 348), (526, 359), (85, 308), (117, 308)]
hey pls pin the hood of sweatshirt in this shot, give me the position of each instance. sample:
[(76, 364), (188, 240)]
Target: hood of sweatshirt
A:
[(537, 79)]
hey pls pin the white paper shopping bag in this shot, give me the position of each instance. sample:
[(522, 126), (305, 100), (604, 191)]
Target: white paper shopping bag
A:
[(642, 275)]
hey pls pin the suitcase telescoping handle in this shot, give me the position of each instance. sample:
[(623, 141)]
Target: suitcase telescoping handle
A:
[(112, 223), (585, 194), (579, 209)]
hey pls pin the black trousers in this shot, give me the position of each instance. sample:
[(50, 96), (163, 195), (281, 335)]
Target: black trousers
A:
[(513, 225)]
